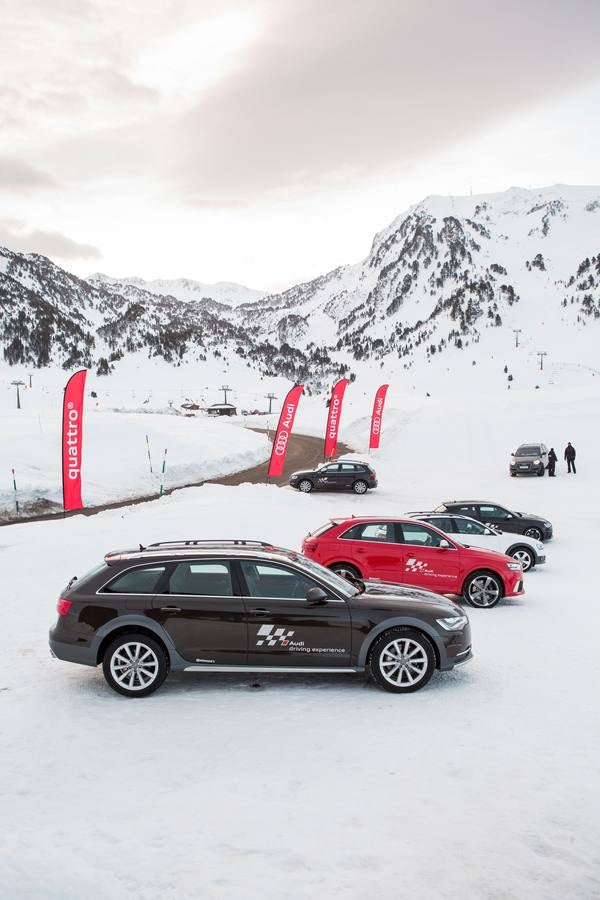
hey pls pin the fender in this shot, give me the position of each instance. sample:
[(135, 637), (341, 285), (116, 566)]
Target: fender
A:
[(177, 661), (419, 624)]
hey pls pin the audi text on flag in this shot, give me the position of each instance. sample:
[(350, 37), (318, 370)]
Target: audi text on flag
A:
[(284, 428), (377, 416), (333, 419), (72, 439)]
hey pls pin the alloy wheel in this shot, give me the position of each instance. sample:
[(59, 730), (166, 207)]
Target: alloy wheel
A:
[(305, 486), (534, 533), (345, 572), (484, 591), (403, 662), (134, 666), (524, 557), (359, 487)]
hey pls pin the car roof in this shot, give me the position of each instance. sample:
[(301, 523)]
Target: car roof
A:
[(358, 462), (341, 520), (474, 502), (165, 550)]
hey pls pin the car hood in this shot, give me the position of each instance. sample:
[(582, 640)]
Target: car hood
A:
[(531, 516), (303, 472), (393, 594)]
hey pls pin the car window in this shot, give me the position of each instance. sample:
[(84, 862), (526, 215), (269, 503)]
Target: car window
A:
[(420, 535), (137, 581), (444, 523), (371, 531), (329, 470), (268, 580), (494, 512), (349, 467), (204, 579), (466, 509), (469, 526)]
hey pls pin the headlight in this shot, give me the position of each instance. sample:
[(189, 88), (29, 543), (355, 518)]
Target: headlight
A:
[(453, 623), (539, 546), (536, 462), (515, 567), (547, 525)]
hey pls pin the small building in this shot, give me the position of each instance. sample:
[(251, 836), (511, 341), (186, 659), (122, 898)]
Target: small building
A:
[(222, 409)]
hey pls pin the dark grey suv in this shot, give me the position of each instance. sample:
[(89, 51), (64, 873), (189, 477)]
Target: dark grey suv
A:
[(529, 459), (244, 606)]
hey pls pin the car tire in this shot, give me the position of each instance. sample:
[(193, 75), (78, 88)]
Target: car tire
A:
[(541, 473), (524, 555), (534, 533), (126, 677), (513, 474), (360, 487), (305, 486), (345, 570), (401, 660), (483, 589)]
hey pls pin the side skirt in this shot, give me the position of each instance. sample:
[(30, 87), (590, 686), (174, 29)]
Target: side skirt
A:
[(305, 670)]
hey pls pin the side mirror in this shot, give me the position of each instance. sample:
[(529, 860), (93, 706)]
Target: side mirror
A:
[(444, 545), (316, 596)]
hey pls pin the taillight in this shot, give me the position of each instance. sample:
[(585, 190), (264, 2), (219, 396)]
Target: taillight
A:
[(373, 475), (310, 543), (63, 606)]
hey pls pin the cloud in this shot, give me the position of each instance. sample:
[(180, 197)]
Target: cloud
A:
[(334, 91), (18, 175), (47, 243)]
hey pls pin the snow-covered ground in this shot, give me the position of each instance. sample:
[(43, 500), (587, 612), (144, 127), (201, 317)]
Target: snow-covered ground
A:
[(483, 785), (115, 448)]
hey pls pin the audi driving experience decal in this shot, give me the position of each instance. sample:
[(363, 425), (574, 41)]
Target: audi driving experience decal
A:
[(274, 636)]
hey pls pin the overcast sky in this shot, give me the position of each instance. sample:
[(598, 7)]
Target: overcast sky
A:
[(265, 141)]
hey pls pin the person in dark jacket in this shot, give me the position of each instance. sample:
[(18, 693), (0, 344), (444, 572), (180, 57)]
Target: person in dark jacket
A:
[(570, 458), (552, 460)]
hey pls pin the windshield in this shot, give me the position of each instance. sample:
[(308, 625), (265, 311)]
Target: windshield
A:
[(529, 450), (336, 582)]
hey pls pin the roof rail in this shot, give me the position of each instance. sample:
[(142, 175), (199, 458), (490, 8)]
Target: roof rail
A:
[(236, 542)]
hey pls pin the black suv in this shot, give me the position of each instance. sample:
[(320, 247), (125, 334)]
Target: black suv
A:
[(347, 475), (246, 606), (529, 459), (502, 518)]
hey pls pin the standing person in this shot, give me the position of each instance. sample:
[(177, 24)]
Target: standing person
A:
[(570, 458), (552, 460)]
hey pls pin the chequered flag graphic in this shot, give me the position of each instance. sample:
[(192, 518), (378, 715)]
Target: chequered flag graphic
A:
[(269, 635), (414, 565)]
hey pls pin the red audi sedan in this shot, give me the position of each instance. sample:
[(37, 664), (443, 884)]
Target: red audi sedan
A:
[(408, 552)]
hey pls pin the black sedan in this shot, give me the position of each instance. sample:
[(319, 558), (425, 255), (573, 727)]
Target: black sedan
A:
[(349, 475), (500, 517)]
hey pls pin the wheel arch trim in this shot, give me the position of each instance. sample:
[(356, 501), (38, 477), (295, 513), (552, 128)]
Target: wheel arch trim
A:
[(131, 621), (405, 621), (518, 544)]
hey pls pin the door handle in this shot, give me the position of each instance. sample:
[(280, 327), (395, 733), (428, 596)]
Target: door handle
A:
[(261, 611), (170, 609)]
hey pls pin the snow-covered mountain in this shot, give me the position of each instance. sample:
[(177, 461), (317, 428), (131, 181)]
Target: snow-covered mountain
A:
[(449, 269), (226, 293), (449, 273)]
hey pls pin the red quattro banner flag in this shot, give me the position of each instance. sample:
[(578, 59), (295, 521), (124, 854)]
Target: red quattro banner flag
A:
[(377, 416), (72, 436), (333, 419), (284, 428)]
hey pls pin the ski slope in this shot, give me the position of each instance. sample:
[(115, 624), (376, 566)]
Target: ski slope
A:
[(482, 785)]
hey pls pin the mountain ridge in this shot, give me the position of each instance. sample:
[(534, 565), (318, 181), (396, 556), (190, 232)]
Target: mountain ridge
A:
[(443, 275)]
